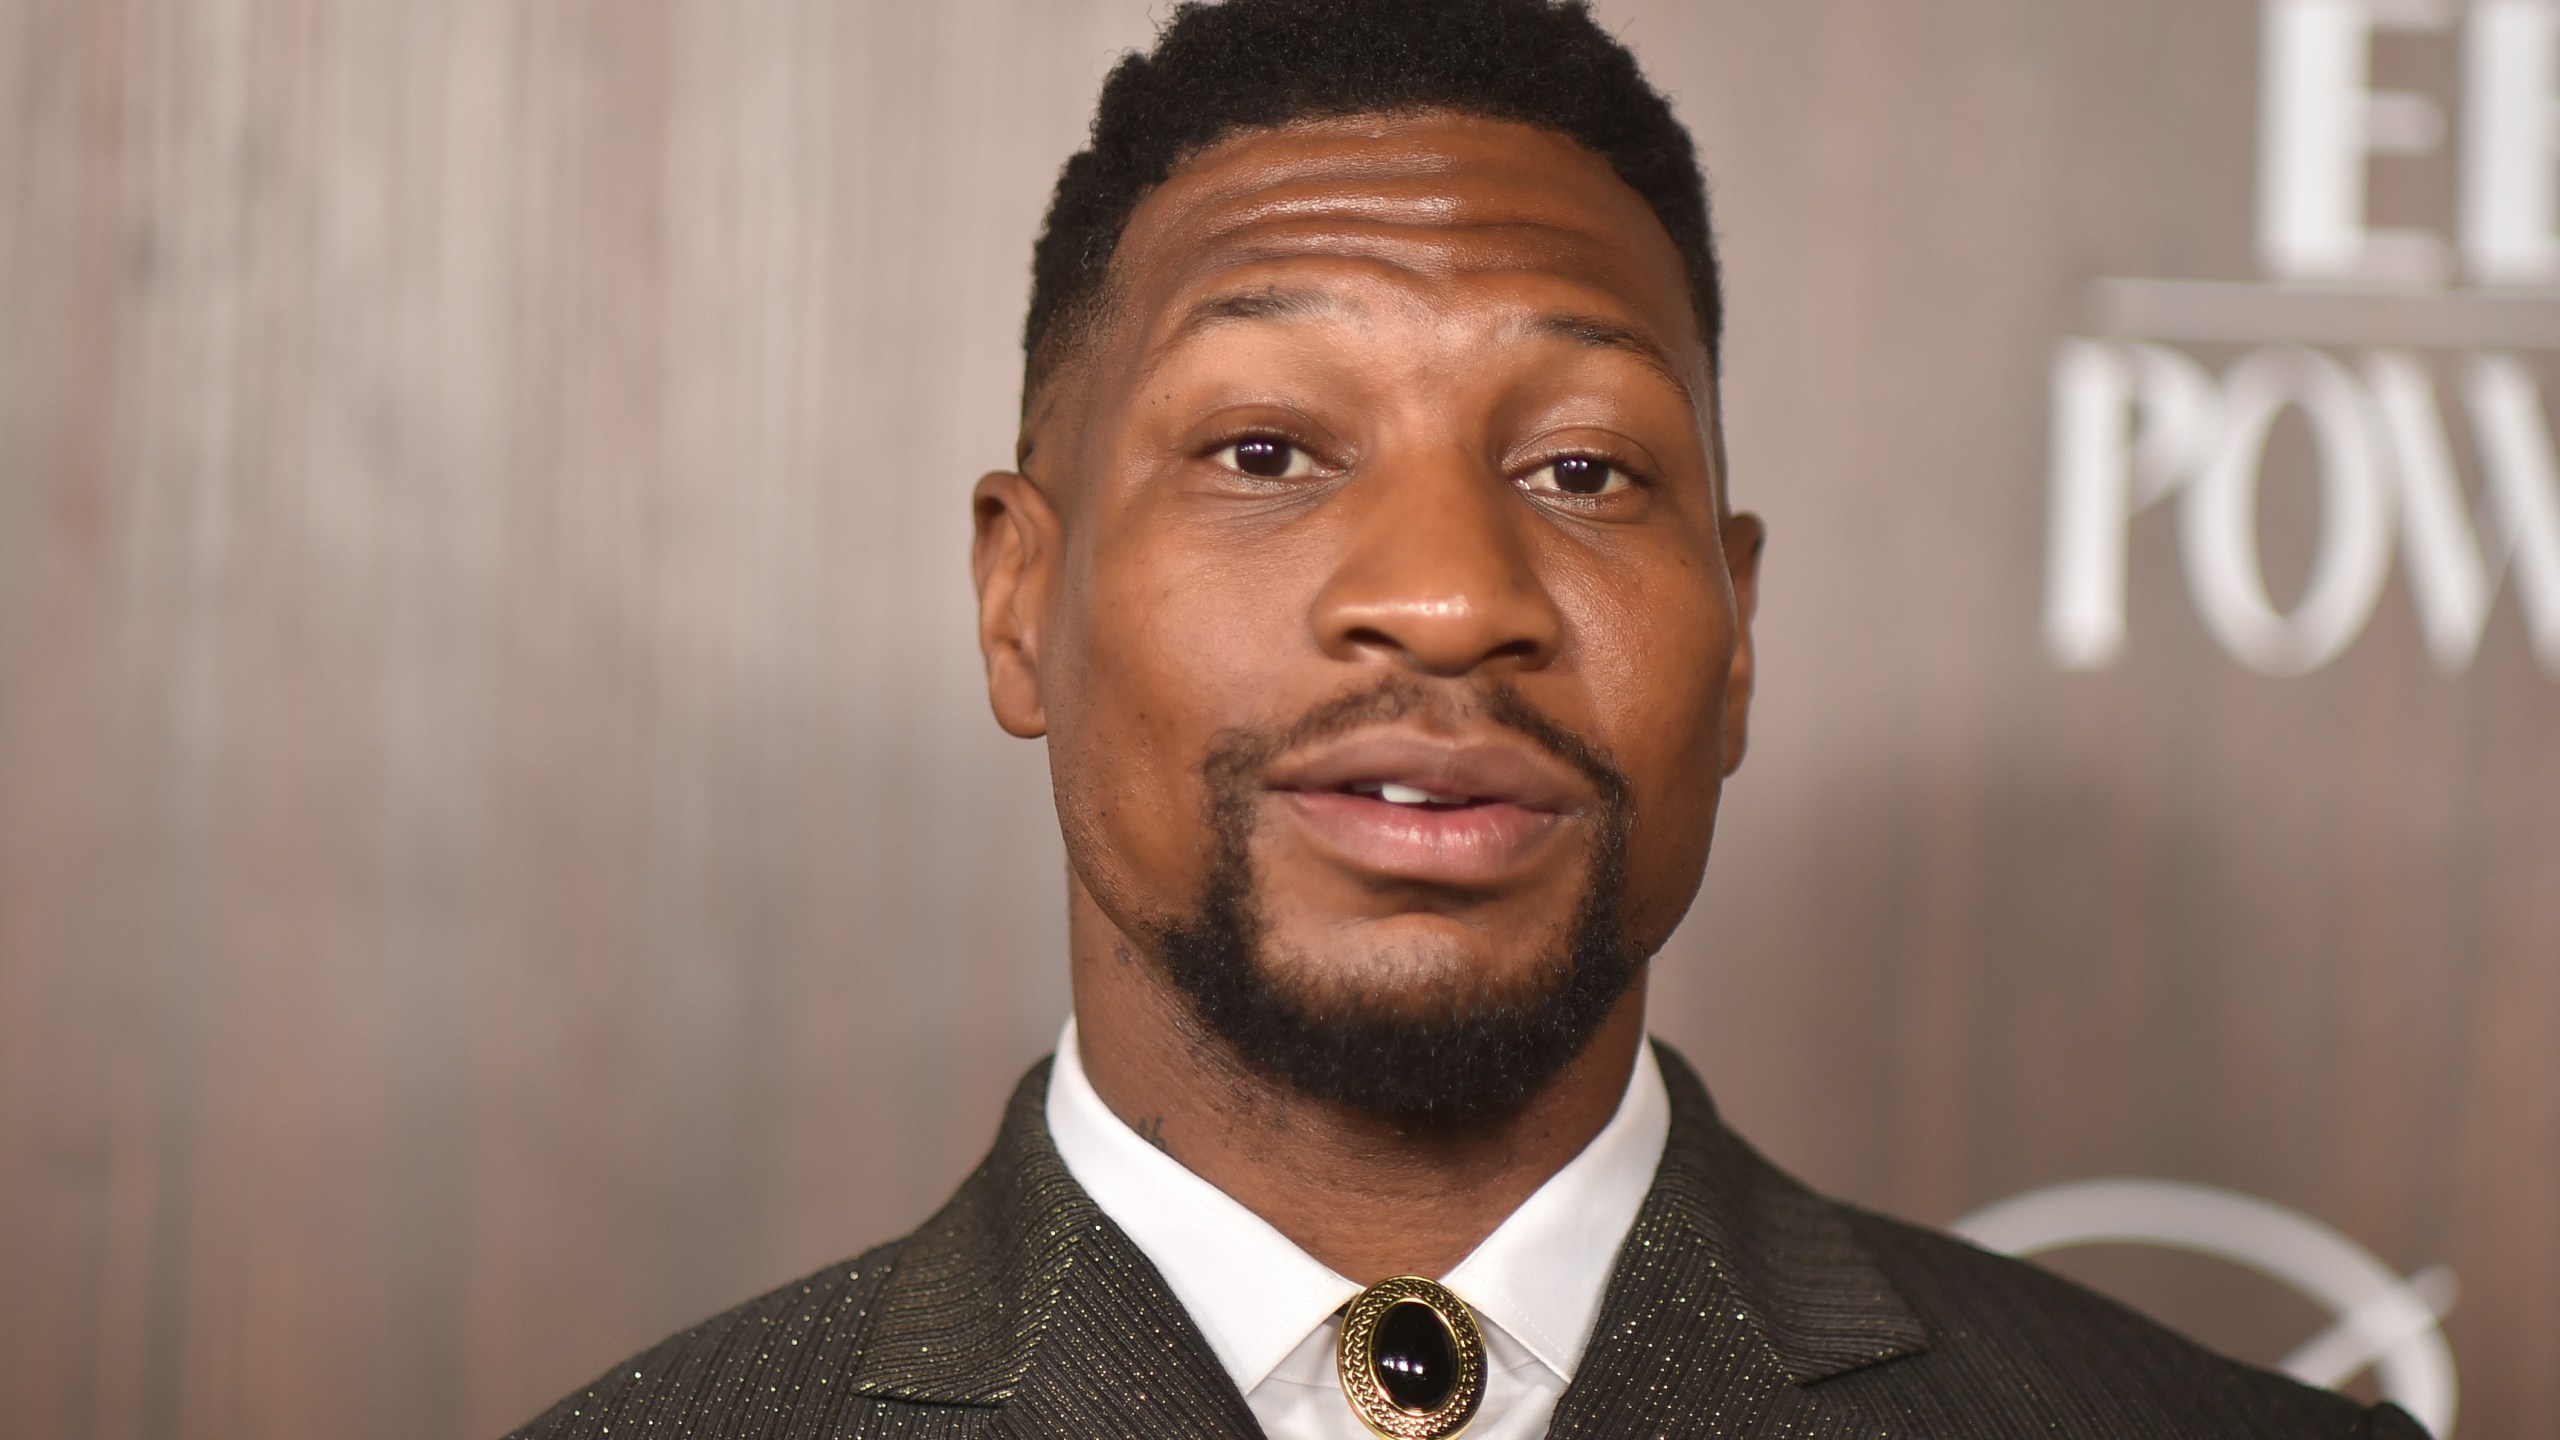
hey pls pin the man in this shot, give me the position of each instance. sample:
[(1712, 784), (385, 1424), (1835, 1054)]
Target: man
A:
[(1368, 567)]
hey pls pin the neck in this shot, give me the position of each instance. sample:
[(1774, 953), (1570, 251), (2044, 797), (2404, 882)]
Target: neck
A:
[(1368, 1196)]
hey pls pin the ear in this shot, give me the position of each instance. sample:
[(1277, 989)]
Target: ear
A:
[(1744, 536), (1013, 555)]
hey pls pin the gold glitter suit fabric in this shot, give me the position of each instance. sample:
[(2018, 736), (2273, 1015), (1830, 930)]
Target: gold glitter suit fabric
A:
[(1742, 1305)]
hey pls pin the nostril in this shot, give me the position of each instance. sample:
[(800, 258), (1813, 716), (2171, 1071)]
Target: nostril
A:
[(1439, 629), (1437, 651)]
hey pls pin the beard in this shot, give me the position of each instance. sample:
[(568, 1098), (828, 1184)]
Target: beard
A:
[(1469, 1054)]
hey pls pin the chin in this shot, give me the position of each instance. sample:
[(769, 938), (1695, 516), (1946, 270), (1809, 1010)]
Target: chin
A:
[(1413, 966)]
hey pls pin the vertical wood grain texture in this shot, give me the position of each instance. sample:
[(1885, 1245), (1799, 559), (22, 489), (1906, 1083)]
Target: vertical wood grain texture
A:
[(502, 852)]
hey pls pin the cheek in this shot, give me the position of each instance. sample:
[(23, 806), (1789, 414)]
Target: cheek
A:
[(1655, 656), (1166, 647)]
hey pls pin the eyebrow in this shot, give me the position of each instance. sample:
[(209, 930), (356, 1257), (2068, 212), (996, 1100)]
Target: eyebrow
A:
[(1269, 302), (1595, 333)]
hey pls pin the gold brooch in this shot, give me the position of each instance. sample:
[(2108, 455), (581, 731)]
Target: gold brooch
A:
[(1411, 1359)]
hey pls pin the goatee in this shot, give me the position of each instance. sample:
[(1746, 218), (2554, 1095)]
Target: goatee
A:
[(1479, 1054)]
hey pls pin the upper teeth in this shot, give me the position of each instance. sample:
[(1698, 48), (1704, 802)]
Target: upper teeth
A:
[(1395, 794)]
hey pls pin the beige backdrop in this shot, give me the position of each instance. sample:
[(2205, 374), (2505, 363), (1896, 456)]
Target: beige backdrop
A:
[(502, 851)]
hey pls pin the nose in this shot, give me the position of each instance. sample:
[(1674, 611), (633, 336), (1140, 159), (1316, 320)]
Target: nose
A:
[(1439, 571)]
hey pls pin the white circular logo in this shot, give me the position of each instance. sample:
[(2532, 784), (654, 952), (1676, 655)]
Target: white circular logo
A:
[(2383, 1320)]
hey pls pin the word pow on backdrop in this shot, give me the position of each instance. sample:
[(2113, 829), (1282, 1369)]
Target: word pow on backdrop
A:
[(2351, 330)]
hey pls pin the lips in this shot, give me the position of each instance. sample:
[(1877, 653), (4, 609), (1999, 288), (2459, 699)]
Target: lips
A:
[(1467, 812)]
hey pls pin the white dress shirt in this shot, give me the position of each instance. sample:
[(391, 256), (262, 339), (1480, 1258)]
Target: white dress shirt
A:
[(1267, 1307)]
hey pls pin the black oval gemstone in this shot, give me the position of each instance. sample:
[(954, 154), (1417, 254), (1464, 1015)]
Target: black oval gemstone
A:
[(1416, 1357)]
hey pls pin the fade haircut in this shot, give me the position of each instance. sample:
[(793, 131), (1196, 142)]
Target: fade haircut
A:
[(1220, 69)]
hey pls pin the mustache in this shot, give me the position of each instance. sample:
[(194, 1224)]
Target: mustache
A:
[(1240, 757)]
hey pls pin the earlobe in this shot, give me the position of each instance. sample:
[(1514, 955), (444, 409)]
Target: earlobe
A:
[(1744, 537), (1012, 547)]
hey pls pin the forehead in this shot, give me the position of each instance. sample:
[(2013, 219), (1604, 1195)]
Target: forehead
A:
[(1446, 207)]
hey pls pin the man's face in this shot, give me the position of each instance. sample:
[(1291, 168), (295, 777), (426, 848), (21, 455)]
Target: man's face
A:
[(1370, 578)]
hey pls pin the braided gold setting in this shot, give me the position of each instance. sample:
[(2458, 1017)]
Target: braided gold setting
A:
[(1356, 1359)]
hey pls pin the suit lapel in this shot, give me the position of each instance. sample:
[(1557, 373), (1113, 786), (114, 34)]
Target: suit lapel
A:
[(1736, 1291), (1123, 1359), (1022, 1307)]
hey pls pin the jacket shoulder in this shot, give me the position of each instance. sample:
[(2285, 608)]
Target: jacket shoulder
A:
[(929, 1335), (768, 1369), (2048, 1356)]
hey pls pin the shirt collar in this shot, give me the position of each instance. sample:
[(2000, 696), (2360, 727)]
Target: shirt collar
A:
[(1253, 1293), (1542, 1273), (1256, 1296)]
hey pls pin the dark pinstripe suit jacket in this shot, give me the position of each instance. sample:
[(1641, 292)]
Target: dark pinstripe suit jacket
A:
[(1742, 1305)]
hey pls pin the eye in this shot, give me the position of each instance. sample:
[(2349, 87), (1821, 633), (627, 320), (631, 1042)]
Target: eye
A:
[(1576, 475), (1265, 458)]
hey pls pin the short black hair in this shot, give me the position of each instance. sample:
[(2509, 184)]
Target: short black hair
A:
[(1220, 69)]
